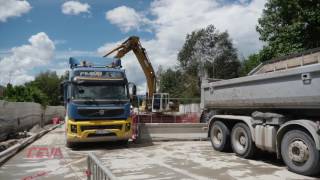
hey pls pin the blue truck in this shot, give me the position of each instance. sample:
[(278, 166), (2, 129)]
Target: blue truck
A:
[(97, 102)]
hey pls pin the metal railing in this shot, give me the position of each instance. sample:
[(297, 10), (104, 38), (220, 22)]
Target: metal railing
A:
[(96, 170)]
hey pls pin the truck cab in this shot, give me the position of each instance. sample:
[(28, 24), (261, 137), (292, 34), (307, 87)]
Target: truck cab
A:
[(97, 104)]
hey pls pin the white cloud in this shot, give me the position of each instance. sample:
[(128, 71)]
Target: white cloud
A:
[(126, 18), (15, 66), (13, 8), (74, 53), (75, 8), (173, 20), (60, 68), (59, 41)]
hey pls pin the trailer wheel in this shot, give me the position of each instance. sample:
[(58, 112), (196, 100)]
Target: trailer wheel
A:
[(219, 136), (241, 141), (299, 153), (205, 116)]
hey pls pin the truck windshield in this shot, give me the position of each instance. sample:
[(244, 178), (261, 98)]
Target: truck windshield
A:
[(104, 92)]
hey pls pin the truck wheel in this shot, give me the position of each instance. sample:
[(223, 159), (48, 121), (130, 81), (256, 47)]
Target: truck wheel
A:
[(123, 142), (70, 144), (299, 153), (241, 141), (219, 136)]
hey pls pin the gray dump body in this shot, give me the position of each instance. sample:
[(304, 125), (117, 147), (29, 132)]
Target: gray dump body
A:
[(296, 88)]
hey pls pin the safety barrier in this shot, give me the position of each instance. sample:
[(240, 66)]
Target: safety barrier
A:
[(96, 170), (172, 131)]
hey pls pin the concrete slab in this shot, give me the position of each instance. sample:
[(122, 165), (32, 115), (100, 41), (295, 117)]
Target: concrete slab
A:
[(190, 160), (43, 160), (48, 158)]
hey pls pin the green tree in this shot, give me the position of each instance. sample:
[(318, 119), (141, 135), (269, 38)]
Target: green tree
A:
[(249, 64), (208, 49), (205, 51), (170, 82), (216, 55), (48, 82), (23, 93), (186, 55), (289, 26)]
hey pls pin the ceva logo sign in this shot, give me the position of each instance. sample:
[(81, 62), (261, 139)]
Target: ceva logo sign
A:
[(44, 153)]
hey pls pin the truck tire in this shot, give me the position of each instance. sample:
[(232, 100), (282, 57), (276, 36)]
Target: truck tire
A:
[(220, 136), (123, 142), (298, 151), (70, 144), (241, 141)]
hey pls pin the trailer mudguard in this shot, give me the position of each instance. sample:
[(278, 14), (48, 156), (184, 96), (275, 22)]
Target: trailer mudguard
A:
[(310, 126), (246, 119)]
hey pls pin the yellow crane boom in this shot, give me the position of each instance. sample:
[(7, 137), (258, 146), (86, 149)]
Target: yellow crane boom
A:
[(133, 44)]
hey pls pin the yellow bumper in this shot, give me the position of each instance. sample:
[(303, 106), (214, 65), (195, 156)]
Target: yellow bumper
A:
[(88, 131)]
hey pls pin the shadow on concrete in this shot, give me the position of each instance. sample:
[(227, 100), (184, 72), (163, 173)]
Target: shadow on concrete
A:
[(109, 145), (270, 158)]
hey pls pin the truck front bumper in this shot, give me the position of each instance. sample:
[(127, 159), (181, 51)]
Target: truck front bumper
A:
[(98, 130)]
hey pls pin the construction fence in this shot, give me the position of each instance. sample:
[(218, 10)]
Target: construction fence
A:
[(22, 116)]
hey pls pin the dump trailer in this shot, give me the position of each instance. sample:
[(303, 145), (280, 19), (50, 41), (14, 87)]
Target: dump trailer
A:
[(276, 108)]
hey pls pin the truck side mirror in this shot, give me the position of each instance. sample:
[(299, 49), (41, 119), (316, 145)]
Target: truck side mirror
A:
[(132, 89), (133, 94), (61, 99), (63, 88)]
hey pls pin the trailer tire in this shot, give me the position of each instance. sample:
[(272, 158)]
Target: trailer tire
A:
[(241, 141), (205, 116), (220, 136), (298, 151)]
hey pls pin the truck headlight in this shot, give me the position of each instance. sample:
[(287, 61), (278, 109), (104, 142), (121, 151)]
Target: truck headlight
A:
[(73, 128)]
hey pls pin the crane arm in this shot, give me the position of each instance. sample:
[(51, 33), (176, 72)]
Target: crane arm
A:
[(133, 43)]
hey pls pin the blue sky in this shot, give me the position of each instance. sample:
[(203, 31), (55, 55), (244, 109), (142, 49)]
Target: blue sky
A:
[(82, 32), (89, 28)]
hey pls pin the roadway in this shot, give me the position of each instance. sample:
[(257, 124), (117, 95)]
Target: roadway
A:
[(48, 158)]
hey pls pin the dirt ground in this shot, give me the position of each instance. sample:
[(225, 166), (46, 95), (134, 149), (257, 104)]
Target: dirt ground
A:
[(48, 158)]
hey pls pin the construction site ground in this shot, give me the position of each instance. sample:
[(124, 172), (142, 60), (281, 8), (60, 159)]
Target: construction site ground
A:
[(48, 158)]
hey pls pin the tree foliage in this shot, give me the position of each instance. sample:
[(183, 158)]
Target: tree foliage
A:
[(209, 50), (249, 64), (170, 82), (286, 27), (44, 90), (186, 56), (48, 82), (205, 52), (289, 26), (23, 93), (216, 55)]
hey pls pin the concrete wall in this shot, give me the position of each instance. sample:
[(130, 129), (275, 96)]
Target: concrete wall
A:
[(21, 116), (172, 131)]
